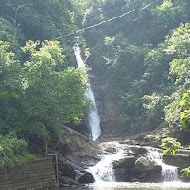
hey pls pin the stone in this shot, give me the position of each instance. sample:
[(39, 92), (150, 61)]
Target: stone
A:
[(144, 163), (67, 170), (125, 163), (151, 140), (86, 178), (134, 175), (142, 169), (110, 150), (137, 150), (178, 160)]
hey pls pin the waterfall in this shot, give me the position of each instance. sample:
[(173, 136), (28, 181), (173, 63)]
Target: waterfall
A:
[(93, 117), (169, 173), (103, 171)]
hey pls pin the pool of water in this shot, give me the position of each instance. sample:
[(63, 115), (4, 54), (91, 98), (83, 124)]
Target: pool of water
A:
[(134, 186)]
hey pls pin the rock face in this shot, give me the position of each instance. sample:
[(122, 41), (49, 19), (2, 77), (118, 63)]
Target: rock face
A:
[(76, 153), (73, 143), (86, 178)]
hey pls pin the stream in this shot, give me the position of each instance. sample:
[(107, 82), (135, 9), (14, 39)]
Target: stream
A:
[(105, 179), (103, 171)]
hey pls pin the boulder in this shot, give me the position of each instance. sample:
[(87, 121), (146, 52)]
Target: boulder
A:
[(142, 169), (86, 178), (125, 163), (144, 163), (134, 175), (67, 170)]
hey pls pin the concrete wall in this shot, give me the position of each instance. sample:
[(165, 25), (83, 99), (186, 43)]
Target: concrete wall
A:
[(34, 175)]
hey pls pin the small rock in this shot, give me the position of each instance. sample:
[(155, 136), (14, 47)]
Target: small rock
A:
[(86, 178)]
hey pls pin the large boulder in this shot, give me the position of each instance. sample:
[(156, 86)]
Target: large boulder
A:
[(86, 178), (142, 169), (125, 163)]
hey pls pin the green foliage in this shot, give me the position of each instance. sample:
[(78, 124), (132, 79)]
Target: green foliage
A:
[(37, 93), (135, 56), (185, 109), (170, 145), (13, 151), (185, 172)]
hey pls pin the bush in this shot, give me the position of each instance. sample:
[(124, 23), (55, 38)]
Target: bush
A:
[(13, 151)]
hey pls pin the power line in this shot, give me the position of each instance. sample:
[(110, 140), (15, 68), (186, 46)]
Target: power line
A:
[(106, 21)]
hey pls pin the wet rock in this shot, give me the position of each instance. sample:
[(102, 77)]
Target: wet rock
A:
[(67, 170), (134, 175), (111, 150), (86, 178), (144, 163), (178, 160), (125, 163), (142, 169), (137, 150)]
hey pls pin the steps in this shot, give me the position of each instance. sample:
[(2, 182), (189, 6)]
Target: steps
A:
[(35, 175)]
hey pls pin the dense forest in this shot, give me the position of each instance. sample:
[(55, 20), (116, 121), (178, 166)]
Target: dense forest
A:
[(139, 50)]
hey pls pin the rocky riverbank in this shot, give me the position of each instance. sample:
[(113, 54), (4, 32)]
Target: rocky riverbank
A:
[(76, 153)]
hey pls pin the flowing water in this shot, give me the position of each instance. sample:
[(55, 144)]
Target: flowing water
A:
[(105, 179), (103, 171), (169, 173), (93, 117)]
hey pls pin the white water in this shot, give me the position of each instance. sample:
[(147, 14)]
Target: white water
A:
[(169, 173), (103, 171), (93, 117)]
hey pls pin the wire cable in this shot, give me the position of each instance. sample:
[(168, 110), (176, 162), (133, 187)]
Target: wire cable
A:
[(106, 21)]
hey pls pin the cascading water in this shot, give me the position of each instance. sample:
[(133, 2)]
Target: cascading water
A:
[(93, 117), (169, 173), (103, 171)]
